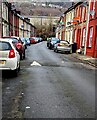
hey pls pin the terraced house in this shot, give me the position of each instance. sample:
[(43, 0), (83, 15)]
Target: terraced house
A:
[(4, 19), (92, 30), (80, 27), (12, 23)]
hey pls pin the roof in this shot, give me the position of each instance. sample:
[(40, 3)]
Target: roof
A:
[(6, 40), (73, 6)]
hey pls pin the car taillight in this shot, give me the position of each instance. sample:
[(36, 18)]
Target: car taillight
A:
[(58, 44), (11, 53)]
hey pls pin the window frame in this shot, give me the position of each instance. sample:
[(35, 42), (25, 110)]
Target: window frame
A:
[(91, 30)]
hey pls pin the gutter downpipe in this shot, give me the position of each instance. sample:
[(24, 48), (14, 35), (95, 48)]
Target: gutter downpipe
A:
[(88, 9)]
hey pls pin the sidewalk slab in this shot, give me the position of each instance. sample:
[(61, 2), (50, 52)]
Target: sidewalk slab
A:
[(86, 59)]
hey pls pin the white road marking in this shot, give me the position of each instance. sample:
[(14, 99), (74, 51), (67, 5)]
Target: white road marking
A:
[(35, 64), (27, 107)]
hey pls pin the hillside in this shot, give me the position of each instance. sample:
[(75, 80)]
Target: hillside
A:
[(41, 9)]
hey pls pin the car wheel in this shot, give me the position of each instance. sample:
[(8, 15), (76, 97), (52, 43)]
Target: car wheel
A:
[(25, 46), (49, 47), (24, 54), (21, 56), (56, 50), (19, 67)]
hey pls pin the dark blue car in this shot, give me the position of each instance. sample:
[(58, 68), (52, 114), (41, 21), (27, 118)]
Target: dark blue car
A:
[(52, 42)]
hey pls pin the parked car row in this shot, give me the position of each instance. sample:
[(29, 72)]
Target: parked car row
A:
[(9, 56), (59, 45), (12, 50), (34, 40), (19, 45)]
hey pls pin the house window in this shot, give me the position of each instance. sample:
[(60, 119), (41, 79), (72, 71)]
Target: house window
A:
[(84, 37), (77, 12), (92, 9), (90, 37)]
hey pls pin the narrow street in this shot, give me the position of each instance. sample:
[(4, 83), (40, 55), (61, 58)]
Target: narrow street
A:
[(49, 85)]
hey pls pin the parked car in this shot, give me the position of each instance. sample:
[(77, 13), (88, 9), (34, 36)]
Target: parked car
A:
[(48, 41), (52, 42), (9, 56), (40, 39), (24, 42), (27, 41), (19, 45), (33, 40), (63, 46)]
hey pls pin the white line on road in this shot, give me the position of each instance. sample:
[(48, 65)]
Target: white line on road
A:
[(35, 64)]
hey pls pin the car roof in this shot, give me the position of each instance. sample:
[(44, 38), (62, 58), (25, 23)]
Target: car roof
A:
[(5, 40)]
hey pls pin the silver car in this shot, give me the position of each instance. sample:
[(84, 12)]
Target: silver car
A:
[(9, 56), (63, 46)]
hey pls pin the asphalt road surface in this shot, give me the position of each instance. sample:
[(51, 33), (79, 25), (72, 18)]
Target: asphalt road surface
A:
[(49, 85)]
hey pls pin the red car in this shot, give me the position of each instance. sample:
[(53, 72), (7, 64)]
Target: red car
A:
[(33, 40), (19, 45)]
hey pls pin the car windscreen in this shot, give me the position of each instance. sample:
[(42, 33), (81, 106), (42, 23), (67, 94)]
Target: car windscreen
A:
[(64, 42), (55, 39), (5, 46)]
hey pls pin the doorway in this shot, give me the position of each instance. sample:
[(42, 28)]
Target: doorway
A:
[(78, 38)]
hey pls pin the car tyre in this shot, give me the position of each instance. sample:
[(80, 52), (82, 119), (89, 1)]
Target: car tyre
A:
[(19, 67), (56, 50), (21, 56), (24, 55)]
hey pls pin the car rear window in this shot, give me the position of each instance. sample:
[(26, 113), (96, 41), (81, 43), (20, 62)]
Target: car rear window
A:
[(55, 39), (14, 40), (5, 46)]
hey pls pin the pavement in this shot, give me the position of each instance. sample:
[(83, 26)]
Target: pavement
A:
[(85, 59)]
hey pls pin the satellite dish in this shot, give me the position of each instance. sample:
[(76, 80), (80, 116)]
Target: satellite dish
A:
[(92, 12)]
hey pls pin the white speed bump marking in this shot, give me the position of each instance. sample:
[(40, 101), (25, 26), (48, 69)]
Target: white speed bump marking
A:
[(35, 64), (27, 107)]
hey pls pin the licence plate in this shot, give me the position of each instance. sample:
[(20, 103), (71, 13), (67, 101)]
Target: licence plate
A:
[(2, 62)]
